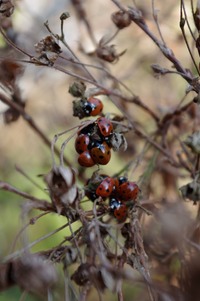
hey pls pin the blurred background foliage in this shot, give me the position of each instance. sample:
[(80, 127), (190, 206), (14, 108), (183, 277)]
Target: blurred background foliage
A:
[(45, 92)]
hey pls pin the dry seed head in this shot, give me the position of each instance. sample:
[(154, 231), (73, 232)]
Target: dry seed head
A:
[(121, 19)]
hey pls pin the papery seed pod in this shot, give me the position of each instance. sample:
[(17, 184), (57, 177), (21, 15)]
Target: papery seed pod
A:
[(77, 89), (48, 44), (62, 186), (108, 53), (121, 19), (118, 141)]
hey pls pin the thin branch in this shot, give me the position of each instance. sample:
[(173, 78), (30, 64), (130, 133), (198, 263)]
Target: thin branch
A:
[(31, 123)]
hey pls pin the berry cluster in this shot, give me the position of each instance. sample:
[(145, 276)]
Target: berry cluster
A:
[(121, 193)]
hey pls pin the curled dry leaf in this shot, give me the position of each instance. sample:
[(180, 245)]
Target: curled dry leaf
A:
[(9, 74), (48, 44), (88, 273), (62, 186), (48, 49)]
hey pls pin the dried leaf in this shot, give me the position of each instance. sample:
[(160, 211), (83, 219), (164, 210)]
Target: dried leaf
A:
[(62, 186), (30, 272), (48, 44), (6, 8)]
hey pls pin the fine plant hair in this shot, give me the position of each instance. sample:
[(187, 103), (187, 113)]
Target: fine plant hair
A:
[(152, 252)]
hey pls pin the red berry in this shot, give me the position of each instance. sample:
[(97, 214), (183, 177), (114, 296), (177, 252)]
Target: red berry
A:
[(105, 188), (101, 153), (93, 106), (81, 143), (85, 159), (105, 126), (128, 191)]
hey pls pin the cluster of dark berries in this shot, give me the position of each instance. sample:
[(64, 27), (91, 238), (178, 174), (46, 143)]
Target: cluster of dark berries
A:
[(120, 192)]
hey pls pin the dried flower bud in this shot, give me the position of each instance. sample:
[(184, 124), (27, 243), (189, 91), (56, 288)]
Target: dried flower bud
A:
[(108, 53), (6, 8), (158, 70), (118, 141), (64, 16), (121, 19), (77, 89), (11, 115)]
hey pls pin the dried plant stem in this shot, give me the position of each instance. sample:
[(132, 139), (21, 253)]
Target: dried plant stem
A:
[(29, 246), (167, 52), (62, 39), (31, 123), (182, 23)]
